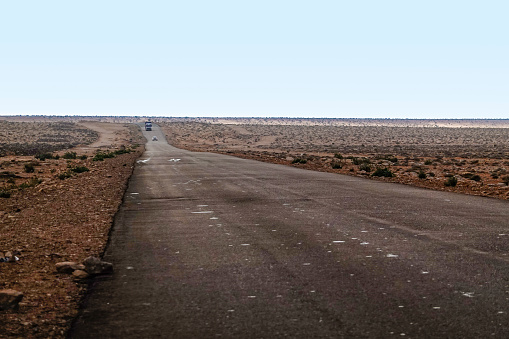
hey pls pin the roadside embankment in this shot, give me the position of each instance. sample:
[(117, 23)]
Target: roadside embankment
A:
[(66, 215)]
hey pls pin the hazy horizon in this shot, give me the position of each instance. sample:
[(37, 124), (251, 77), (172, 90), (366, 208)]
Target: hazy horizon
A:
[(235, 117)]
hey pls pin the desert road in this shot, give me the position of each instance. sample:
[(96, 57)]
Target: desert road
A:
[(208, 246)]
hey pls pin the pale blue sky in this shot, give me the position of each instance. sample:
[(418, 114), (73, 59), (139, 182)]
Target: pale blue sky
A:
[(360, 59)]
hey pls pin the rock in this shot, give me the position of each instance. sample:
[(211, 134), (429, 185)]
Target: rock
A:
[(10, 299), (80, 274), (9, 257), (95, 266), (68, 267)]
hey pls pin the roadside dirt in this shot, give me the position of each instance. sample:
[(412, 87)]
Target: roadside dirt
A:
[(472, 158), (56, 214)]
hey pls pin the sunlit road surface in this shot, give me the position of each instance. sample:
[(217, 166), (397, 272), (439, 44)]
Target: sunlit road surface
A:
[(208, 246)]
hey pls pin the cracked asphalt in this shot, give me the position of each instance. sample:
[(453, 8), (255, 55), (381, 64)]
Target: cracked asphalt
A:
[(207, 246)]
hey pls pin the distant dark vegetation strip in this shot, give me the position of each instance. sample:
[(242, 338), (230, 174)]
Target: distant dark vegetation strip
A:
[(32, 138), (31, 148)]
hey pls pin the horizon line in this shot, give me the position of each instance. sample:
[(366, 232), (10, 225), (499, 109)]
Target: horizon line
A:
[(232, 117)]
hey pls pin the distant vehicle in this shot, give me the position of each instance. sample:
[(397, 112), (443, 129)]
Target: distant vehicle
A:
[(154, 138), (148, 126)]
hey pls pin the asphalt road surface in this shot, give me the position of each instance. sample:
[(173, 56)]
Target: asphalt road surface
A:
[(208, 246)]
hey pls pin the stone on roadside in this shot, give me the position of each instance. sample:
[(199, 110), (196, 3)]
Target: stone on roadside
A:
[(80, 274), (95, 266), (10, 299), (9, 257), (68, 267)]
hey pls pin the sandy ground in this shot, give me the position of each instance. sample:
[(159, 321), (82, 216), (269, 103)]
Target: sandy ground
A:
[(63, 216), (110, 135), (426, 154)]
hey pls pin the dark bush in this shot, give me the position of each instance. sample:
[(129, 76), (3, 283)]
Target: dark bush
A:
[(365, 167), (7, 174), (71, 171), (100, 156), (359, 161), (422, 175), (451, 182), (69, 155), (122, 151), (79, 169), (338, 156), (64, 175), (383, 172), (475, 177), (29, 168), (30, 183), (83, 157), (336, 165), (299, 161), (5, 194), (44, 156), (388, 157)]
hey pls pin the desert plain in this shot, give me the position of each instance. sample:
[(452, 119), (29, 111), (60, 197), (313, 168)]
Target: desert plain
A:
[(466, 156), (62, 180), (61, 183)]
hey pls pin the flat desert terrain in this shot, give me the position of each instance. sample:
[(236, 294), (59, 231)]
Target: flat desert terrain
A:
[(61, 183), (466, 156)]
